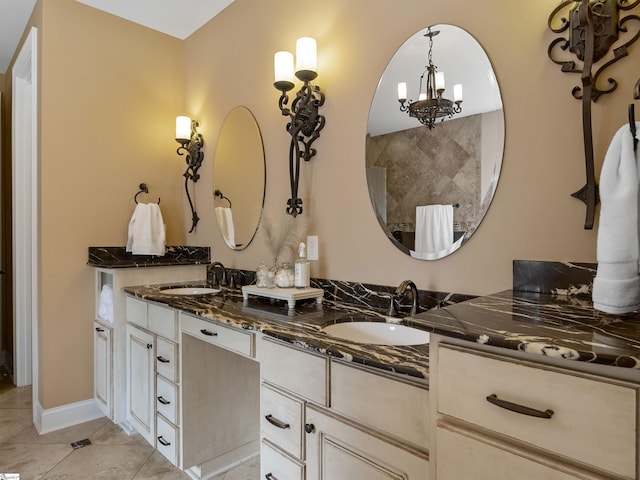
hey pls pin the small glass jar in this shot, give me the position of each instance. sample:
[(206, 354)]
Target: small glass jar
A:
[(262, 275), (285, 276)]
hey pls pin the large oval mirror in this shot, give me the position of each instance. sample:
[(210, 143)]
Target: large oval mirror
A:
[(433, 165), (239, 178)]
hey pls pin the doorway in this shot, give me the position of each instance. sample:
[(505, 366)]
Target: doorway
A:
[(25, 215)]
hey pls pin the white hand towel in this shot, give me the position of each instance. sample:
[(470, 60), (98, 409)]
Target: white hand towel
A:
[(225, 222), (616, 287), (434, 228), (146, 231), (105, 309)]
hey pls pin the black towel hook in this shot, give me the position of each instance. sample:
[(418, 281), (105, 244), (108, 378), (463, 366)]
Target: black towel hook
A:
[(143, 189), (218, 194), (632, 125)]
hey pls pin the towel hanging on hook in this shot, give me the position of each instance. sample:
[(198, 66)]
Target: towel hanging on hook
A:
[(143, 189)]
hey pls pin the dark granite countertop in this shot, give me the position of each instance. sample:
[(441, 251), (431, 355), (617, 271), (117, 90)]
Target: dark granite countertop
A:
[(558, 326), (302, 327)]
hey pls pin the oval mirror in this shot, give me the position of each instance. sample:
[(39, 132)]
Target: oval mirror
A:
[(431, 184), (239, 178)]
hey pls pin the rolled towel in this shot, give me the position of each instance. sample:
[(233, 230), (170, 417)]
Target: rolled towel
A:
[(105, 308), (616, 287)]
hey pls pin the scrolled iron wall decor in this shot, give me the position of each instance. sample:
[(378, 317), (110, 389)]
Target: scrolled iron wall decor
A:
[(191, 144), (594, 26), (305, 121)]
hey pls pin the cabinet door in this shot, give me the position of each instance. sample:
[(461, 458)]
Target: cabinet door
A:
[(102, 357), (140, 382), (337, 448)]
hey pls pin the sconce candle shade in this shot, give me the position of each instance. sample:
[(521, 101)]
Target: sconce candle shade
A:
[(183, 128), (283, 68), (306, 54), (457, 92), (439, 81), (402, 91)]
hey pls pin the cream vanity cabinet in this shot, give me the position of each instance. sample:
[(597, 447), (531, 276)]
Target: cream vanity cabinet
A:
[(323, 419), (102, 363), (503, 417), (153, 375), (110, 329), (193, 388)]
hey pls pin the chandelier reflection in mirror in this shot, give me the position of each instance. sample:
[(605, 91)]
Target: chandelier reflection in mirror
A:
[(191, 143), (305, 123), (431, 106)]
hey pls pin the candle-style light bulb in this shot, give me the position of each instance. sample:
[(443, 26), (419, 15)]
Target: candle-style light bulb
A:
[(183, 128), (402, 91)]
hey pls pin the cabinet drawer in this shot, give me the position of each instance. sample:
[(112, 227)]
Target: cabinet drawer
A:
[(163, 321), (593, 421), (397, 407), (167, 400), (281, 420), (225, 337), (167, 359), (167, 436), (302, 373), (136, 312), (275, 465), (490, 460)]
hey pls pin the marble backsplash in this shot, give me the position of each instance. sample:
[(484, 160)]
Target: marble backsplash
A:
[(118, 257), (556, 278)]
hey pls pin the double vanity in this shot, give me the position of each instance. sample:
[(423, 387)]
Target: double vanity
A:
[(520, 384)]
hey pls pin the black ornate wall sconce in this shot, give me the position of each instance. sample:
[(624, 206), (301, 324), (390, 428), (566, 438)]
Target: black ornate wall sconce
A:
[(593, 27), (191, 143), (305, 123)]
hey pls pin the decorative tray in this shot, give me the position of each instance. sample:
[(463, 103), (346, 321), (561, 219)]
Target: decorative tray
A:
[(288, 294)]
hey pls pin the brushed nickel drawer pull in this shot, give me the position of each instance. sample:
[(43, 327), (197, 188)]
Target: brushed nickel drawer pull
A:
[(207, 332), (277, 423), (163, 441), (161, 359), (514, 407), (163, 401)]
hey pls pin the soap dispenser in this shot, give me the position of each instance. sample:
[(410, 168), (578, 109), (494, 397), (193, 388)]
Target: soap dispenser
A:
[(302, 277)]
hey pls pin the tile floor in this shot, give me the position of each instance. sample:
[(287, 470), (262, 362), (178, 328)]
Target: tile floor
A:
[(112, 455)]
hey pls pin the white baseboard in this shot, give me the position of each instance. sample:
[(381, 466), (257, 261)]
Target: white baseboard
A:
[(52, 419)]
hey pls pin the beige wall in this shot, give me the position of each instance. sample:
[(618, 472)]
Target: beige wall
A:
[(110, 90), (109, 93), (532, 215)]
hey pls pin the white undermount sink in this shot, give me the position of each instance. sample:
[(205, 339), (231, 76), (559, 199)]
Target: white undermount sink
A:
[(377, 333), (190, 291)]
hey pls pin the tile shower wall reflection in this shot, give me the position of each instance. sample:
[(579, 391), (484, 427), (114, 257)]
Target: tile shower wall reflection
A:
[(425, 167)]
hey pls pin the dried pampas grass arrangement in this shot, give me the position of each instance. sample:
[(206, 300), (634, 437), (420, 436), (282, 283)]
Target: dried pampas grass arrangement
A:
[(282, 238)]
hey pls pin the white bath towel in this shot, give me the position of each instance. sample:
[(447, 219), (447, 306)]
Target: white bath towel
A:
[(146, 231), (434, 228), (105, 308), (225, 222), (616, 287)]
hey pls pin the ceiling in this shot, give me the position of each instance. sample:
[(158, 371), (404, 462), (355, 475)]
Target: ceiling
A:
[(178, 18)]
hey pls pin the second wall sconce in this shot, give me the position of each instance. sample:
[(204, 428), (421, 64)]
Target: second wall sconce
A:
[(593, 27), (191, 144), (305, 123)]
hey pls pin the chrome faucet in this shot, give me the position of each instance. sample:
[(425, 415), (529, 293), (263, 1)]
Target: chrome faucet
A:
[(402, 289), (214, 278)]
